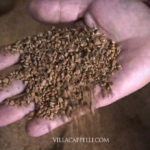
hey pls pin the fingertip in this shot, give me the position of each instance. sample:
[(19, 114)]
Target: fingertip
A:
[(10, 114), (45, 11), (15, 88), (89, 20), (8, 59), (38, 127), (57, 11)]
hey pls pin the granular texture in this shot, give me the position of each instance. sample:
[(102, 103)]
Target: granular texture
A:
[(61, 67)]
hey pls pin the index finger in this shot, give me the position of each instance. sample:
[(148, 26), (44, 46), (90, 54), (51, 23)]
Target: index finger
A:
[(58, 11)]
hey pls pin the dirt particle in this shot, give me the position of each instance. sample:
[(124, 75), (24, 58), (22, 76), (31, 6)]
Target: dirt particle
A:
[(60, 68)]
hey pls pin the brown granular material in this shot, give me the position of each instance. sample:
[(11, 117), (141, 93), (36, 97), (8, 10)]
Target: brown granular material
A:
[(61, 67)]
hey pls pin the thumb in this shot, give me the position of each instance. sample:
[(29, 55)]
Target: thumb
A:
[(58, 11)]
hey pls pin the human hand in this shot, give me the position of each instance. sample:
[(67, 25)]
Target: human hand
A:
[(127, 22)]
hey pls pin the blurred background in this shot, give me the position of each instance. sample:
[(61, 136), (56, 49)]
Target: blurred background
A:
[(126, 123)]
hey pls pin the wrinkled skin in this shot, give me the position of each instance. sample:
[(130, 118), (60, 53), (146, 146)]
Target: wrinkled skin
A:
[(125, 21)]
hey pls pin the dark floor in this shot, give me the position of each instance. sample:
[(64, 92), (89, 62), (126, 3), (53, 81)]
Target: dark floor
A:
[(126, 123)]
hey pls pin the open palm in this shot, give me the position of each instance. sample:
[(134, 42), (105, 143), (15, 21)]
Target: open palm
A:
[(125, 21)]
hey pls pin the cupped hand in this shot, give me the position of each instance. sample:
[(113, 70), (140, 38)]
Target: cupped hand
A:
[(125, 21)]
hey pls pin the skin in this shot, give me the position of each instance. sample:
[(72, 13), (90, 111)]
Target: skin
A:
[(125, 21)]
